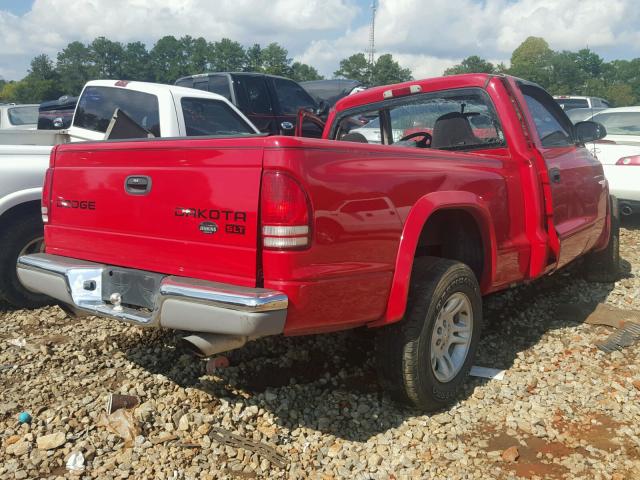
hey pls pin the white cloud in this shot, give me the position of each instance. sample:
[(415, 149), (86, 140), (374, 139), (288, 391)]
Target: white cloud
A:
[(51, 24), (427, 36)]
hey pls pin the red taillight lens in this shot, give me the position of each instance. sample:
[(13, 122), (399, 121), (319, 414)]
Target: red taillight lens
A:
[(46, 195), (633, 160), (284, 212)]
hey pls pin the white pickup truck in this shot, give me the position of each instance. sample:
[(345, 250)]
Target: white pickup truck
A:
[(107, 109)]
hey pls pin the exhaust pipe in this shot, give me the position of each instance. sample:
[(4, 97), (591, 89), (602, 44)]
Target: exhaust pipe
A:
[(625, 209), (207, 344)]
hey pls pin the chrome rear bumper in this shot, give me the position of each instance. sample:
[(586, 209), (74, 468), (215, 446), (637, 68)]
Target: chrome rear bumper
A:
[(179, 303)]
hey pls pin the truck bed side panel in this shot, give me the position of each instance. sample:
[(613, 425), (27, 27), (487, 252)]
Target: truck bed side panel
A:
[(361, 196)]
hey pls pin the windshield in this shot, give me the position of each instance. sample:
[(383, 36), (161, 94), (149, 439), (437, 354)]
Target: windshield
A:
[(581, 114), (23, 115), (619, 123), (330, 90)]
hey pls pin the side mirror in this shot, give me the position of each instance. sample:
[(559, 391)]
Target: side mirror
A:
[(589, 131)]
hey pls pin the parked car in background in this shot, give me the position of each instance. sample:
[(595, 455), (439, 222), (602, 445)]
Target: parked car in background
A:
[(248, 236), (270, 102), (581, 114), (330, 91), (18, 117), (569, 102), (619, 153), (56, 114), (107, 109)]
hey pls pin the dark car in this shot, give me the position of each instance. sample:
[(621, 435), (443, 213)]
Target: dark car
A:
[(270, 102), (56, 114), (330, 91)]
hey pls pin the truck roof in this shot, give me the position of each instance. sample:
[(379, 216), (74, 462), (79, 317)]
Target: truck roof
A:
[(377, 94), (155, 88), (245, 74)]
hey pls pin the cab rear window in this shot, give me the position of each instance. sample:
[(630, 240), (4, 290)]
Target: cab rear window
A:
[(98, 104), (461, 119)]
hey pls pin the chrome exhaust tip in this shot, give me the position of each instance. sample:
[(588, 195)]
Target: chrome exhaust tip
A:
[(207, 344)]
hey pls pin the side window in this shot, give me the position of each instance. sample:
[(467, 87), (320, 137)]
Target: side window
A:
[(552, 130), (256, 95), (204, 116), (363, 127), (98, 104), (291, 96)]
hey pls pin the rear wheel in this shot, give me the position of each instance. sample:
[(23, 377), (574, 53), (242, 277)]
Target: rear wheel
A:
[(21, 237), (425, 358), (604, 266)]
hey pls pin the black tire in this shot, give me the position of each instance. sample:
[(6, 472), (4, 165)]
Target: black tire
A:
[(604, 266), (14, 237), (404, 348)]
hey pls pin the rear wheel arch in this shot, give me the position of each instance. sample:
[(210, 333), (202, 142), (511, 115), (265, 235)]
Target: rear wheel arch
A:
[(430, 224), (21, 231), (29, 208)]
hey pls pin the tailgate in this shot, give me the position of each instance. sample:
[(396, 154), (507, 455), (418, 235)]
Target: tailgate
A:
[(181, 207)]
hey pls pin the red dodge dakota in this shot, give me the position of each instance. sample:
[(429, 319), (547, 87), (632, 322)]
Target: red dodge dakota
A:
[(419, 199)]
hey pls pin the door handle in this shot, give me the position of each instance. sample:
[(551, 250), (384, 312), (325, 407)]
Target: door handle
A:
[(137, 184), (554, 175)]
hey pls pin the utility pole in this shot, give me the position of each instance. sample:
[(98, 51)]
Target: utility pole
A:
[(372, 28), (372, 39)]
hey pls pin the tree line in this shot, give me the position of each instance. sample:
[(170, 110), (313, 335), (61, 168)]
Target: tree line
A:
[(561, 72), (564, 72), (171, 58)]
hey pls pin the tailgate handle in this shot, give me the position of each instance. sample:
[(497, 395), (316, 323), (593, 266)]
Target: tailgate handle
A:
[(554, 173), (137, 184)]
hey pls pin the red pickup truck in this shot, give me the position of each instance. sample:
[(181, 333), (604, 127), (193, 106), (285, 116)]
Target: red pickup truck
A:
[(419, 199)]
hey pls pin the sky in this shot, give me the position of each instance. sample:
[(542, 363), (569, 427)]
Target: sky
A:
[(426, 36)]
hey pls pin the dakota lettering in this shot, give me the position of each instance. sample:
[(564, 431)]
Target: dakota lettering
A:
[(211, 214)]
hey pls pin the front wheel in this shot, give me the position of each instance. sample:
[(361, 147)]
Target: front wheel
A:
[(21, 237), (425, 358), (604, 266)]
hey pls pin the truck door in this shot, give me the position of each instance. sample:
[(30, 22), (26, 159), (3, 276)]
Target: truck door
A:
[(255, 102), (291, 98), (574, 178)]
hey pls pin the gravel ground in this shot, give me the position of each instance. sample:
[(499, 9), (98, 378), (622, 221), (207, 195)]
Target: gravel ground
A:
[(311, 407)]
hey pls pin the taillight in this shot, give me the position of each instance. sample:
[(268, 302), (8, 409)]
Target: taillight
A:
[(46, 195), (284, 212), (633, 160)]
